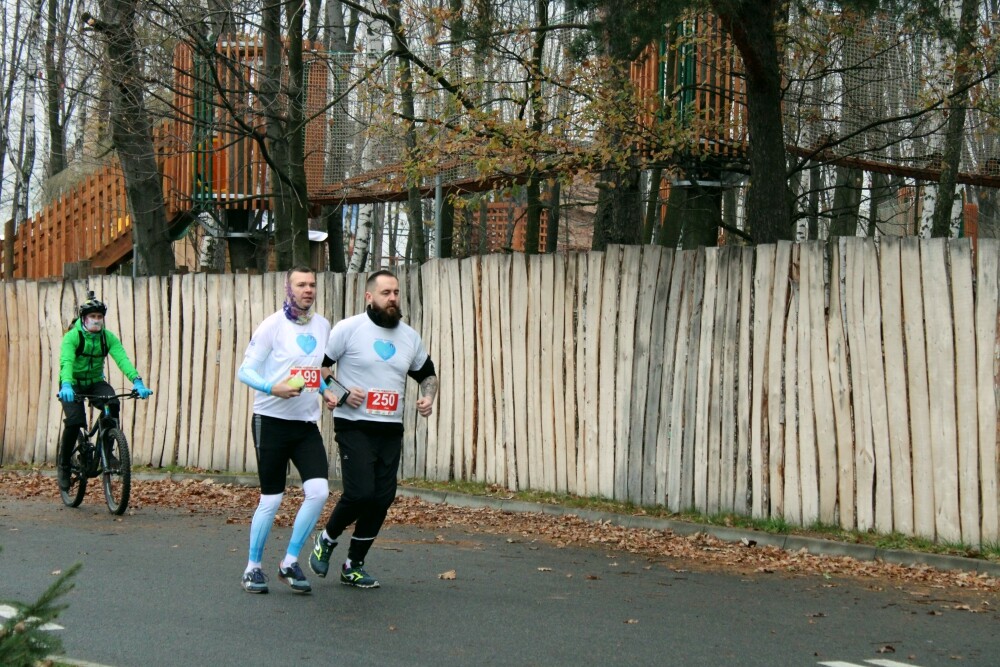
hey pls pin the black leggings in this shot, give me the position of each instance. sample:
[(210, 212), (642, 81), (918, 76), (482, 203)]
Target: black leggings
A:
[(76, 414), (278, 441), (369, 464)]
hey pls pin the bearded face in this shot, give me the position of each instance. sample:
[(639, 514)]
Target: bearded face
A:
[(385, 316)]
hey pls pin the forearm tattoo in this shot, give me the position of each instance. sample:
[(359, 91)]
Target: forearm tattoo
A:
[(429, 387)]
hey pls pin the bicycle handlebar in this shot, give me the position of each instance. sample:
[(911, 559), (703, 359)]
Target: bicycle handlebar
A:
[(78, 398)]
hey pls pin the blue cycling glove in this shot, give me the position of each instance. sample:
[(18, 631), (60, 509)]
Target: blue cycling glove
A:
[(141, 389), (66, 393)]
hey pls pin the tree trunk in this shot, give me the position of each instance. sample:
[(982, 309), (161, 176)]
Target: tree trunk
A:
[(133, 139), (553, 207), (338, 45), (652, 205), (276, 138), (296, 133), (415, 217), (846, 202), (54, 85), (753, 28), (956, 105)]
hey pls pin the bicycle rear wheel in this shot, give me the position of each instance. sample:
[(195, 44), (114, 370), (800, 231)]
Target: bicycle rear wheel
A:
[(73, 496), (117, 477)]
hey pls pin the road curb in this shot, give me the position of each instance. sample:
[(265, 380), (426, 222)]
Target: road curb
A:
[(813, 545)]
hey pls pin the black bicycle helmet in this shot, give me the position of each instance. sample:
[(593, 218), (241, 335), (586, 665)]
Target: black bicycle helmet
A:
[(92, 305)]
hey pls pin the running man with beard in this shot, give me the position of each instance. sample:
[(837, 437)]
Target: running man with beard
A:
[(374, 352), (282, 364)]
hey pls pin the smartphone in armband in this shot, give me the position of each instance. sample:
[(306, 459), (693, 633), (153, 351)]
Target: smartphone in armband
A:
[(340, 390)]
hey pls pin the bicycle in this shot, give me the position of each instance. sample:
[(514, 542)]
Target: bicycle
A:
[(112, 462)]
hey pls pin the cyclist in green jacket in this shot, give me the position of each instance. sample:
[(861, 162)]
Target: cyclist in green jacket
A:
[(81, 371)]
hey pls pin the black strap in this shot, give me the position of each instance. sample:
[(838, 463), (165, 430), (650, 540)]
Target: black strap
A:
[(104, 345)]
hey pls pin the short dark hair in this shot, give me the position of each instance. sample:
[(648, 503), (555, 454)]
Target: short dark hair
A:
[(302, 268), (370, 283)]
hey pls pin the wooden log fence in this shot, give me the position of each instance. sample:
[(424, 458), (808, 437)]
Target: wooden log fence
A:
[(840, 383)]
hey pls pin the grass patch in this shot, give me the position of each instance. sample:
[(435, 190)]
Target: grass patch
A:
[(988, 551)]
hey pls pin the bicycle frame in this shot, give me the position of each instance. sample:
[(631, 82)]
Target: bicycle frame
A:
[(100, 423)]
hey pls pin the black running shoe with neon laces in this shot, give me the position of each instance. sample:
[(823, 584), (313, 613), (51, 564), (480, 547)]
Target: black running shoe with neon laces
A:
[(294, 578), (319, 557), (357, 577), (255, 581)]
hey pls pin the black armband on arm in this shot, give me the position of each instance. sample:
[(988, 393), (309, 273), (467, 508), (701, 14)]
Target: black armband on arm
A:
[(327, 362), (425, 371)]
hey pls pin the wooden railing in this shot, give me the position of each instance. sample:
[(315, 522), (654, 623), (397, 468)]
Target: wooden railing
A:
[(837, 383)]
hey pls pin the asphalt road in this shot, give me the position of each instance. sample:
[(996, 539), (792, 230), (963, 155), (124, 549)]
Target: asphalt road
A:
[(161, 587)]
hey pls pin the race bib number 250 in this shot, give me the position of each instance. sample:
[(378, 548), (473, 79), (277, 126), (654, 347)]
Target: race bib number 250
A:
[(382, 402)]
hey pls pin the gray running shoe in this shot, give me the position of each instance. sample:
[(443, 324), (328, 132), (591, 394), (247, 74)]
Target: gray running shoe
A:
[(255, 581), (319, 557), (357, 577), (293, 577)]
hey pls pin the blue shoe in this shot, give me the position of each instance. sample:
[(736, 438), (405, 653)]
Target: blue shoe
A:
[(294, 578), (319, 557), (255, 581), (357, 577)]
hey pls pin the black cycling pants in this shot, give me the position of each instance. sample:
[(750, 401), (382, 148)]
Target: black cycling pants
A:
[(369, 465), (76, 414)]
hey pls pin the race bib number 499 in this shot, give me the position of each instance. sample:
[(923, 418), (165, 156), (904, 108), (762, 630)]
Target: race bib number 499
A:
[(382, 402), (310, 377)]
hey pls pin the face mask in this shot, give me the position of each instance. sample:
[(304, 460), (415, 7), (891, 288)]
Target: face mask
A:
[(93, 324)]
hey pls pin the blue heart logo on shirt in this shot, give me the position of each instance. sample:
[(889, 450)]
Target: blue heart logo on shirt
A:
[(307, 342), (384, 349)]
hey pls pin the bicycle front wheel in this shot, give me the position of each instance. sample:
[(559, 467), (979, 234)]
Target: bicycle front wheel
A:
[(117, 475), (73, 496)]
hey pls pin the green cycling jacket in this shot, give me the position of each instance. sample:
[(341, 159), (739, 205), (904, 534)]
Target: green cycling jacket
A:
[(87, 367)]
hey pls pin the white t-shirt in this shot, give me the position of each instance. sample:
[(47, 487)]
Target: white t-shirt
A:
[(377, 360), (281, 348)]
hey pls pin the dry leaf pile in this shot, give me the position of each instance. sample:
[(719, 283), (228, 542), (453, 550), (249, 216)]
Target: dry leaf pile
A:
[(700, 551)]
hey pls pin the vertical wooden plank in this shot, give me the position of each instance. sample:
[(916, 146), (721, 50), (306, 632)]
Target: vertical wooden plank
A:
[(775, 354), (689, 390), (582, 324), (608, 413), (194, 359), (560, 399), (840, 387), (808, 473), (490, 373), (864, 454), (791, 493), (145, 412), (175, 405), (966, 416), (759, 407), (671, 430), (30, 385), (742, 500), (534, 380), (987, 379), (463, 350), (659, 362), (5, 363), (12, 447), (917, 389), (430, 283), (207, 388), (939, 323), (472, 438), (591, 380), (547, 318), (644, 359), (507, 390), (575, 287), (222, 456), (497, 401), (519, 386), (50, 337), (877, 391), (156, 372), (705, 431), (625, 383), (895, 378), (825, 442), (728, 351)]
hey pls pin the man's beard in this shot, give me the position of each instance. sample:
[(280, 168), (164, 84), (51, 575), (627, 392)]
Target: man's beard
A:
[(385, 317)]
